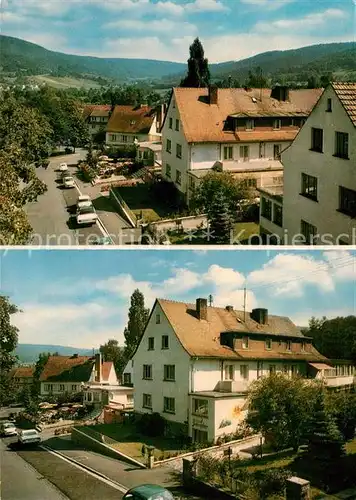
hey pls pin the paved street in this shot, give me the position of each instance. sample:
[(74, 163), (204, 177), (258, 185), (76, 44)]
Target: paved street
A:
[(51, 220), (19, 481)]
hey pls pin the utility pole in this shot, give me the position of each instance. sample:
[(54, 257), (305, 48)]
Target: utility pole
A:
[(245, 304), (211, 300)]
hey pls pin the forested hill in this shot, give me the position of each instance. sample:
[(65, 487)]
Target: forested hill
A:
[(28, 353), (25, 58), (22, 58)]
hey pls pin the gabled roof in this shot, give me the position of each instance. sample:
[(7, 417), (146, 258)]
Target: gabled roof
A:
[(202, 338), (204, 122), (346, 92), (131, 119), (23, 372), (67, 369), (96, 110), (105, 369)]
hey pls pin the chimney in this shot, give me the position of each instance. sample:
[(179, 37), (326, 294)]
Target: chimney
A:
[(229, 308), (260, 316), (213, 94), (280, 92), (202, 309), (98, 367)]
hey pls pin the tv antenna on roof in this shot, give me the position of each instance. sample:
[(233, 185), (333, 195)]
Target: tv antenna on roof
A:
[(211, 300)]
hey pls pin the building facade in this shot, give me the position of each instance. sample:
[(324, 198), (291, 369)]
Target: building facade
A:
[(242, 131), (319, 195), (195, 363), (97, 117)]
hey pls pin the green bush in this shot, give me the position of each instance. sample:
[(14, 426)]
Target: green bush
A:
[(152, 424), (272, 482)]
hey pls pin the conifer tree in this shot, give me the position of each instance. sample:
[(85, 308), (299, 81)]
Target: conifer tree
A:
[(220, 219), (198, 68)]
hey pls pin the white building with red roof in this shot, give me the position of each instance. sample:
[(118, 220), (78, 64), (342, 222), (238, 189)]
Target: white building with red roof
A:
[(242, 131)]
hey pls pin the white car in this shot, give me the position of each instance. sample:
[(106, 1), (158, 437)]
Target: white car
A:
[(87, 215), (84, 201), (29, 436), (68, 182), (8, 429), (63, 167)]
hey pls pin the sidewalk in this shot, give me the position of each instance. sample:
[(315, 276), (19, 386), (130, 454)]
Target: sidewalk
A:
[(125, 474)]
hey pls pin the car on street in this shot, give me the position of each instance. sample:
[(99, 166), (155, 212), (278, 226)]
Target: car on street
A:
[(68, 182), (148, 492), (8, 429), (86, 215), (84, 200), (63, 167), (29, 436)]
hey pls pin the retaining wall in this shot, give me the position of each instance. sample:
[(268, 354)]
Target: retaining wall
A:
[(123, 208), (190, 222)]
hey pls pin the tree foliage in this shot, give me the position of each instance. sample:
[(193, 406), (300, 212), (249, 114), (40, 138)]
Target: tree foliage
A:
[(8, 344), (232, 190), (138, 317), (334, 338), (198, 67), (256, 79), (111, 351), (220, 219), (279, 408)]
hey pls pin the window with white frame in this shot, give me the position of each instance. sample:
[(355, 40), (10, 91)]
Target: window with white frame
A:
[(74, 387), (124, 138), (147, 400), (169, 373), (169, 146), (61, 387), (171, 123), (200, 407), (89, 397), (127, 379), (147, 372), (169, 405), (228, 152), (229, 372), (244, 372)]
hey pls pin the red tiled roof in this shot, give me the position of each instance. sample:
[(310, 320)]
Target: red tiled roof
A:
[(68, 368), (346, 92), (96, 110), (105, 369), (23, 372), (203, 122), (266, 136), (131, 119), (202, 338)]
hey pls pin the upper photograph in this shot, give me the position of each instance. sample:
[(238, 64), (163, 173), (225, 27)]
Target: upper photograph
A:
[(177, 122)]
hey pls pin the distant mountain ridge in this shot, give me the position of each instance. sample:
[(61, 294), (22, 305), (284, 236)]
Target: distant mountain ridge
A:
[(29, 353), (19, 57)]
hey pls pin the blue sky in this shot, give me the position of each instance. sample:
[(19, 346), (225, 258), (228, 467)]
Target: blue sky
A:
[(164, 29), (81, 298)]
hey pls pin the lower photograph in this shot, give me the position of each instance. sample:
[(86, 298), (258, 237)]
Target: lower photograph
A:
[(178, 374)]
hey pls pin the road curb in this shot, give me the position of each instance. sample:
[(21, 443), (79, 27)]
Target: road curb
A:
[(83, 466)]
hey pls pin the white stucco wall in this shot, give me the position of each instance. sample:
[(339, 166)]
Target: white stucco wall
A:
[(176, 137), (330, 171), (157, 387), (60, 388), (119, 138), (228, 414)]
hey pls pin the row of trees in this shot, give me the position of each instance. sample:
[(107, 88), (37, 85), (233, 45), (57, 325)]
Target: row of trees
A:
[(31, 124)]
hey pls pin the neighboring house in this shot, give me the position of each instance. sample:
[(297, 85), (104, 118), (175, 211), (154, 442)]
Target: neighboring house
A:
[(129, 125), (127, 376), (150, 153), (195, 363), (242, 131), (271, 215), (23, 375), (319, 195), (97, 117), (69, 374)]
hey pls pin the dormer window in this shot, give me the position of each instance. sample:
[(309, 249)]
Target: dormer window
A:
[(268, 344), (250, 124), (277, 124), (289, 345), (245, 343)]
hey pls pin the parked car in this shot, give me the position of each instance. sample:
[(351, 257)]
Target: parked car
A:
[(87, 215), (63, 167), (68, 182), (8, 429), (84, 200), (29, 436), (148, 492)]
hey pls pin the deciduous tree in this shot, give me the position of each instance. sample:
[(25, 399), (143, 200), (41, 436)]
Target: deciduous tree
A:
[(111, 351), (8, 344)]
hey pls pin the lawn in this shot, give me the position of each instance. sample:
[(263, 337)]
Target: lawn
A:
[(130, 441), (143, 204), (242, 231), (245, 230)]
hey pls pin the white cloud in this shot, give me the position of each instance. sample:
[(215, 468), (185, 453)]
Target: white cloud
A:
[(205, 6), (267, 4), (302, 318), (290, 273), (312, 20), (224, 278), (155, 26), (342, 264)]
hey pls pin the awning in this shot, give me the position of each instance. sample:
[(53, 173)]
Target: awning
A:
[(321, 366)]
